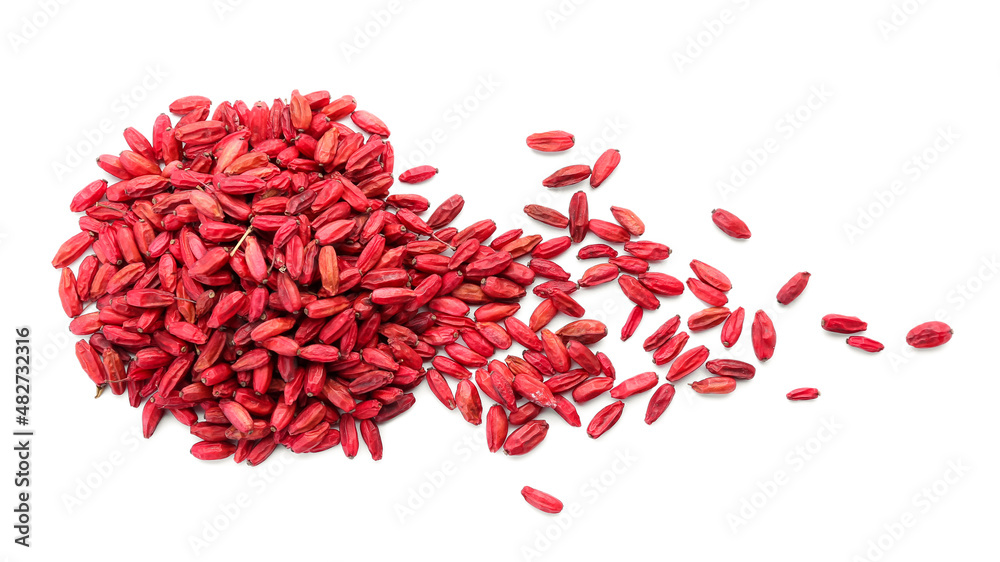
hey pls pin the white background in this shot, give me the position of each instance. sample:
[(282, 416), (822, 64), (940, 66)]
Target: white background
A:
[(866, 471)]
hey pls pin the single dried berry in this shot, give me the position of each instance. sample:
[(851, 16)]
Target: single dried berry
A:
[(551, 248), (843, 324), (524, 413), (595, 250), (418, 174), (533, 390), (763, 336), (710, 275), (551, 141), (632, 322), (609, 232), (541, 501), (526, 437), (733, 327), (555, 351), (506, 238), (605, 419), (637, 293), (88, 196), (579, 219), (209, 451), (440, 389), (546, 215), (522, 334), (659, 402), (370, 123), (599, 274), (348, 436), (567, 176), (547, 289), (607, 368), (687, 363), (592, 388), (567, 304), (731, 368), (707, 293), (542, 315), (929, 334), (662, 334), (803, 394), (866, 344), (467, 399), (566, 381), (372, 438), (72, 249), (714, 385), (730, 224), (585, 331), (606, 163), (707, 318), (649, 251), (548, 269), (661, 283), (634, 385), (567, 411), (496, 428), (791, 290), (187, 104), (68, 294), (631, 264), (446, 212), (628, 219)]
